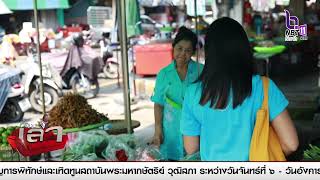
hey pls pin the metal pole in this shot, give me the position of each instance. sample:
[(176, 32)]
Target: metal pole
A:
[(36, 22), (196, 15), (124, 59), (116, 25), (197, 33), (134, 73)]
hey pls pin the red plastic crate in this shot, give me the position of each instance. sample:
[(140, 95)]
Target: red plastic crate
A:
[(152, 57)]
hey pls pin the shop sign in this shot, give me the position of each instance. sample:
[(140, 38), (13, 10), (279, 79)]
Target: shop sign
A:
[(35, 135), (33, 141), (294, 31)]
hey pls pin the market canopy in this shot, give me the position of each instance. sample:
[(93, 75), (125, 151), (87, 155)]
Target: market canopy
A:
[(152, 3), (42, 4), (4, 9)]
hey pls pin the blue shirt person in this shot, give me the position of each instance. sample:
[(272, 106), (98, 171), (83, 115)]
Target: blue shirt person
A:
[(169, 91), (219, 110), (230, 128)]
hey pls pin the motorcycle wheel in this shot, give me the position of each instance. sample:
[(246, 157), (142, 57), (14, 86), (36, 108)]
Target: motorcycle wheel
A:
[(110, 70), (85, 87), (50, 95), (11, 112)]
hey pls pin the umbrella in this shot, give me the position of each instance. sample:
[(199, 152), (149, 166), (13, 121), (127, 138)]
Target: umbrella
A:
[(28, 4), (4, 9), (133, 18)]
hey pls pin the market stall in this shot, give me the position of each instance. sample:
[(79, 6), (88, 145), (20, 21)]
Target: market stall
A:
[(78, 120), (73, 116)]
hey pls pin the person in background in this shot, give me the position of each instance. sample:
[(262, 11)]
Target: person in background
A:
[(258, 24), (8, 53), (219, 110), (168, 96)]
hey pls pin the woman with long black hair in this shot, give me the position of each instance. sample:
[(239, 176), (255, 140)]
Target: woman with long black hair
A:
[(219, 110)]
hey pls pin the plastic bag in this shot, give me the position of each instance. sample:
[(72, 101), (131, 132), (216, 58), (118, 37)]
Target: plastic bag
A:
[(149, 153), (87, 147), (90, 157), (121, 148), (97, 145)]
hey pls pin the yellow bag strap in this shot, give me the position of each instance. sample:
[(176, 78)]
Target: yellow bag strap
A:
[(265, 103), (260, 135), (265, 144)]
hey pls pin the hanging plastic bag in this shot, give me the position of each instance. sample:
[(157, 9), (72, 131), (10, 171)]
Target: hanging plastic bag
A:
[(121, 148), (88, 146), (149, 153)]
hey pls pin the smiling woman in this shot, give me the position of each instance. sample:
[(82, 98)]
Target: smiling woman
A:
[(169, 94)]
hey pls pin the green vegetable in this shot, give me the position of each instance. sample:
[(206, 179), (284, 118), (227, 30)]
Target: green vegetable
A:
[(312, 154)]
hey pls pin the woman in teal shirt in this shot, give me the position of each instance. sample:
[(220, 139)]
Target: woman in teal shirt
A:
[(219, 110), (168, 96)]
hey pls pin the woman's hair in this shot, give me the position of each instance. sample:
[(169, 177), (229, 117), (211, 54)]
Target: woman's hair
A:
[(228, 68), (187, 35)]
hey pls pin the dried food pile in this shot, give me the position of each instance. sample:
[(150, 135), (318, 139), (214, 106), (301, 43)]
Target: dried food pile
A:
[(73, 111)]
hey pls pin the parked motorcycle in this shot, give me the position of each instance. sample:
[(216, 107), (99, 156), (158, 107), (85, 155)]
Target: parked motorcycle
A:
[(111, 65), (31, 80), (15, 102), (81, 68), (16, 105)]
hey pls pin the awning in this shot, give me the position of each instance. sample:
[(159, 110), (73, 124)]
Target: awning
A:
[(4, 9), (28, 4), (152, 3)]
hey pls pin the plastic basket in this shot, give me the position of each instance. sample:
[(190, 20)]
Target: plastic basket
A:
[(270, 50)]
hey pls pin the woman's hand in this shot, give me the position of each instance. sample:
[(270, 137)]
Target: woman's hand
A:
[(157, 138), (158, 133), (191, 144)]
